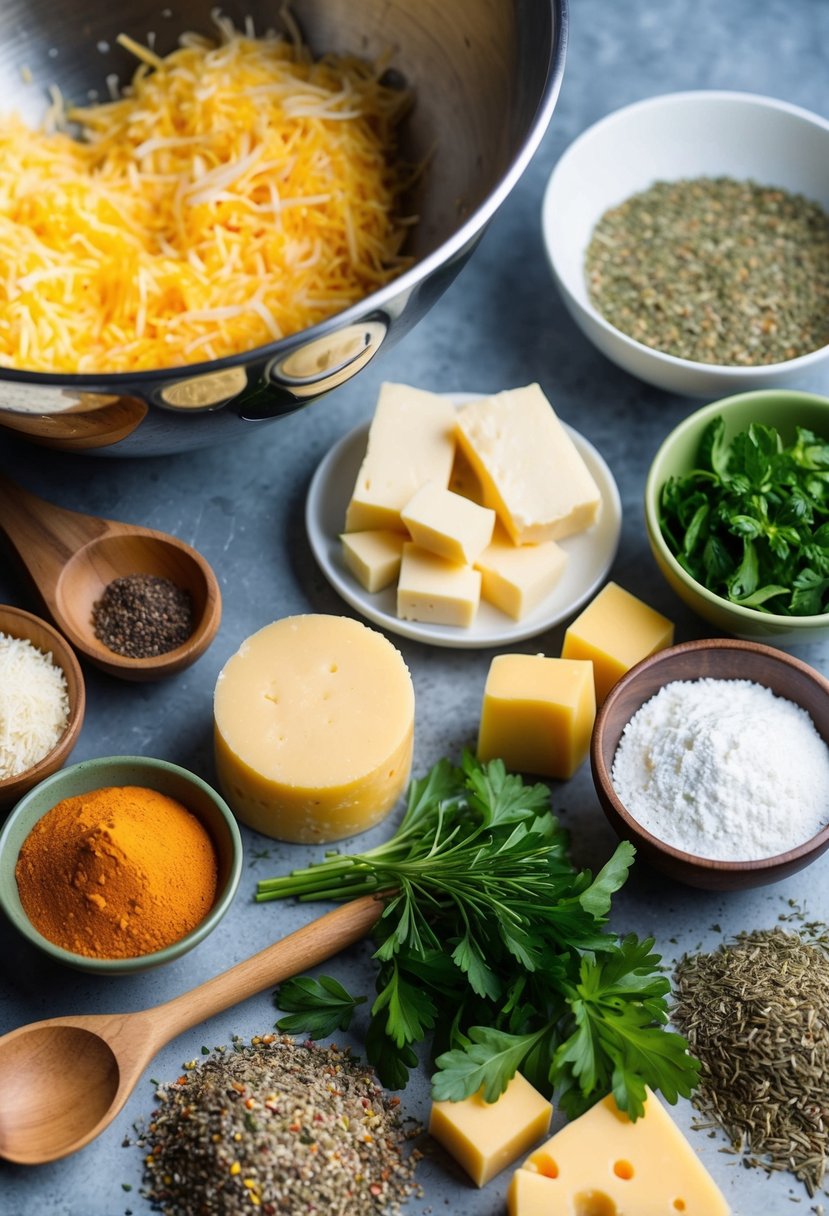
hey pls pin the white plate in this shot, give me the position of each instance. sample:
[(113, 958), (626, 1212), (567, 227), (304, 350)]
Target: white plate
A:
[(590, 554)]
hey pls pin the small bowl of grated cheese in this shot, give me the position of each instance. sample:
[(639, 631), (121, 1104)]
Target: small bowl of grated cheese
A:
[(42, 702), (712, 758)]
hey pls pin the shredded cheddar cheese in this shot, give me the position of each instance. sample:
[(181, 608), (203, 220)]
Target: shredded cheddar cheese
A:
[(236, 193)]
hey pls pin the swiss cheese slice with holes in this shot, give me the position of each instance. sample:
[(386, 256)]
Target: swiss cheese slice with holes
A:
[(602, 1164)]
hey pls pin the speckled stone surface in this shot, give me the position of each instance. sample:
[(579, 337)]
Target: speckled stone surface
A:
[(500, 325)]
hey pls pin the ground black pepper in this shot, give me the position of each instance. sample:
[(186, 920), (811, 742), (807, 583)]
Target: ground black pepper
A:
[(277, 1127), (142, 615)]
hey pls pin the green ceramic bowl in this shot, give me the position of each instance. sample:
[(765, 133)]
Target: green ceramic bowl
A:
[(782, 408), (159, 775)]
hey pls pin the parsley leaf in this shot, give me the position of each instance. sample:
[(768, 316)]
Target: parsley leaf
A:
[(316, 1007)]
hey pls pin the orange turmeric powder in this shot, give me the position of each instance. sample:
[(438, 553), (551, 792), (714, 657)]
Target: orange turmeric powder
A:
[(117, 872)]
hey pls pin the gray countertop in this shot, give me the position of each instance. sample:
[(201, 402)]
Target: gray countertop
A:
[(500, 325)]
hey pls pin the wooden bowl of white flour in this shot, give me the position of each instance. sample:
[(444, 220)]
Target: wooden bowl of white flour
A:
[(712, 758)]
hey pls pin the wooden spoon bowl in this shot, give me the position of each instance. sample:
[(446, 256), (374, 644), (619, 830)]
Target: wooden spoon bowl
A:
[(72, 557), (16, 623)]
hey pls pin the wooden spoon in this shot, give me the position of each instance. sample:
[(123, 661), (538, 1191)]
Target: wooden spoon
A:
[(72, 557), (62, 1081)]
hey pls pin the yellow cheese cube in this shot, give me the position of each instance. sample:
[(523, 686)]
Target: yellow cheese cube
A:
[(537, 714), (436, 591), (615, 631), (484, 1137), (373, 557), (531, 471), (410, 441), (448, 524), (516, 578), (602, 1164), (313, 728)]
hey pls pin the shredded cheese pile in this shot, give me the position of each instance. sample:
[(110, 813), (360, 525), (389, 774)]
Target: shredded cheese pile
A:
[(34, 705), (237, 192)]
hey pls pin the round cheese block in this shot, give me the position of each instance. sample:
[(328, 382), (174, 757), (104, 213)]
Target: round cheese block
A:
[(313, 728)]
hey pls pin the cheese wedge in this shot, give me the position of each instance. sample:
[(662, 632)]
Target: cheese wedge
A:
[(313, 728), (531, 471), (410, 441), (485, 1137), (602, 1164)]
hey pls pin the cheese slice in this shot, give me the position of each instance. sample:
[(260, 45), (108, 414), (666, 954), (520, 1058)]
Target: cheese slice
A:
[(448, 524), (410, 441), (373, 557), (615, 631), (602, 1164), (313, 728), (436, 591), (531, 471), (516, 578), (485, 1137), (537, 714)]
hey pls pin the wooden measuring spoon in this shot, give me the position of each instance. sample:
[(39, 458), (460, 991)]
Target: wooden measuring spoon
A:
[(62, 1081), (72, 557)]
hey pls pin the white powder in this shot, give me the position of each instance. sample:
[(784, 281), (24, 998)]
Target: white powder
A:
[(723, 769)]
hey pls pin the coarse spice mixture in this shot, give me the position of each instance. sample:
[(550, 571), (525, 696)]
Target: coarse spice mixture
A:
[(277, 1127), (756, 1016), (142, 615), (714, 270)]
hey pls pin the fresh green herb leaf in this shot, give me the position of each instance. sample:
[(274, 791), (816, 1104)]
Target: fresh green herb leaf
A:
[(494, 947), (317, 1008)]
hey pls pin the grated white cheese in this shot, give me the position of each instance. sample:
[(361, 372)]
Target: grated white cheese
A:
[(34, 705)]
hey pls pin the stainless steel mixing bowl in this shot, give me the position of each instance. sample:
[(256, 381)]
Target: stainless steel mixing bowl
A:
[(485, 75)]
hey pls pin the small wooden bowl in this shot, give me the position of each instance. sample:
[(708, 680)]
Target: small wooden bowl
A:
[(16, 623), (722, 659)]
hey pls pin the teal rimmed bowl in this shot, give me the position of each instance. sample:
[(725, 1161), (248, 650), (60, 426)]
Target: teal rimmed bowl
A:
[(785, 409), (160, 775)]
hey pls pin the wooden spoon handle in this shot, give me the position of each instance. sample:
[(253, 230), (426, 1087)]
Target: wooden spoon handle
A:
[(43, 535), (306, 947)]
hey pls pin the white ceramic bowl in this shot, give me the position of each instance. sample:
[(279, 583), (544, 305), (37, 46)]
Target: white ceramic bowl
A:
[(681, 135)]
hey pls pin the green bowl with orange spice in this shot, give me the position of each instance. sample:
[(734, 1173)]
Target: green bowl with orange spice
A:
[(122, 881)]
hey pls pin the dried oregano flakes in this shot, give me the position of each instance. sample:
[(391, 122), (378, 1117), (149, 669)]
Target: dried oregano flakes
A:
[(755, 1013)]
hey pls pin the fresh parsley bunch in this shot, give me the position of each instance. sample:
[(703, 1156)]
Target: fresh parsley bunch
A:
[(494, 947), (751, 521)]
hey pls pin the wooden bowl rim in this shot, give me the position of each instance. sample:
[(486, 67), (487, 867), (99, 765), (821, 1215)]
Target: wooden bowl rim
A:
[(601, 773), (11, 619)]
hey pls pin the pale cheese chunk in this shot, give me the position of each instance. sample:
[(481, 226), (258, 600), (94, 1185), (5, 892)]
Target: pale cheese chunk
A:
[(537, 714), (373, 557), (604, 1163), (435, 591), (615, 631), (448, 524), (531, 471), (516, 578), (313, 728), (485, 1137), (410, 441)]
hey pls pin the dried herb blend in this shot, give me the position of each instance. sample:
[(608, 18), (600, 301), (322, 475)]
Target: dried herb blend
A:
[(756, 1016), (142, 615), (714, 270), (277, 1127)]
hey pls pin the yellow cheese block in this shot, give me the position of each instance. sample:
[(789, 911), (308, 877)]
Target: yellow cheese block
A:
[(516, 578), (410, 441), (603, 1165), (531, 471), (373, 557), (436, 591), (537, 714), (615, 631), (485, 1137), (448, 524), (313, 728)]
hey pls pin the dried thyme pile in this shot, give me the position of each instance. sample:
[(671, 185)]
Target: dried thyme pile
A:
[(277, 1127), (756, 1016), (714, 270)]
